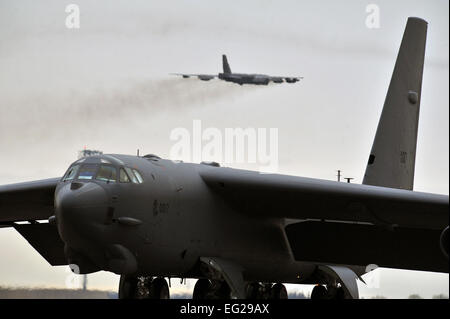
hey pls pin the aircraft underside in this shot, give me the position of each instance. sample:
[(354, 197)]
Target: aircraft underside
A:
[(221, 279)]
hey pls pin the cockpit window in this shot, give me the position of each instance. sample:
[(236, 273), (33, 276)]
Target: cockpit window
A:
[(71, 173), (138, 176), (131, 174), (103, 172), (123, 177), (135, 176), (107, 173), (87, 171)]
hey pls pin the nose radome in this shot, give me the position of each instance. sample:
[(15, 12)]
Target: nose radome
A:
[(79, 207), (78, 195)]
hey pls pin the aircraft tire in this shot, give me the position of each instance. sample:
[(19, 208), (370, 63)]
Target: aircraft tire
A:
[(278, 291), (253, 291), (319, 292), (158, 289), (221, 290), (128, 287), (202, 289)]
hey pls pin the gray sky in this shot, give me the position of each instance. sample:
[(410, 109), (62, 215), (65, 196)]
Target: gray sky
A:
[(106, 86)]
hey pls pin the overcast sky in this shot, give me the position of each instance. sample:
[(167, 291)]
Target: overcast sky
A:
[(106, 86)]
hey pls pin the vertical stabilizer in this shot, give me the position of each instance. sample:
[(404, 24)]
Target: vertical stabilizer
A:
[(393, 155), (226, 66)]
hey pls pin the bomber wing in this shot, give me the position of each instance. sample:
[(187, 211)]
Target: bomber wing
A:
[(342, 223), (287, 79), (203, 77), (27, 201), (283, 196), (32, 201)]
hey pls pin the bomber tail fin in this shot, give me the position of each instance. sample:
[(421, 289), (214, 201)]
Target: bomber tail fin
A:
[(226, 66), (393, 155)]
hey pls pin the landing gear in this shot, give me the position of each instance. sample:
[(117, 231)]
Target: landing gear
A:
[(278, 291), (221, 290), (336, 293), (132, 287), (201, 289), (158, 289), (128, 287), (320, 292), (256, 290), (340, 282), (207, 289), (253, 290)]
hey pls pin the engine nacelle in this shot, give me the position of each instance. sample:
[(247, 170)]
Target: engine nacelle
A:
[(291, 80), (277, 80), (205, 77), (444, 242), (78, 263)]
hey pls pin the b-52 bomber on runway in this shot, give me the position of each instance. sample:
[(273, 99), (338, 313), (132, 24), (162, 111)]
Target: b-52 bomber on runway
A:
[(241, 78), (240, 233)]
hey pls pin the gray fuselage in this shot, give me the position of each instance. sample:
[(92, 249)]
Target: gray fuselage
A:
[(167, 223)]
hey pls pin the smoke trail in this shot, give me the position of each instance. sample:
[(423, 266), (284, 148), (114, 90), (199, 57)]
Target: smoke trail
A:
[(46, 115)]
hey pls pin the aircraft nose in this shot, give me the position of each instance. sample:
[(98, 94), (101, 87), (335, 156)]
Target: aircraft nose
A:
[(80, 206)]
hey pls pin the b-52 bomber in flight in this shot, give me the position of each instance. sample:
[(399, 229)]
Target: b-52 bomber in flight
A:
[(240, 233), (241, 78)]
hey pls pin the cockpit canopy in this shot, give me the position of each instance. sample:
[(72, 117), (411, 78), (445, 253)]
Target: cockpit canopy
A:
[(102, 170)]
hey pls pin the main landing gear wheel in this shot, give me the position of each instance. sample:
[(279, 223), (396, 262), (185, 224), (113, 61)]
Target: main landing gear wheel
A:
[(202, 289), (278, 291), (158, 289), (256, 290), (211, 289), (319, 292), (221, 290), (128, 287), (253, 290), (331, 292)]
